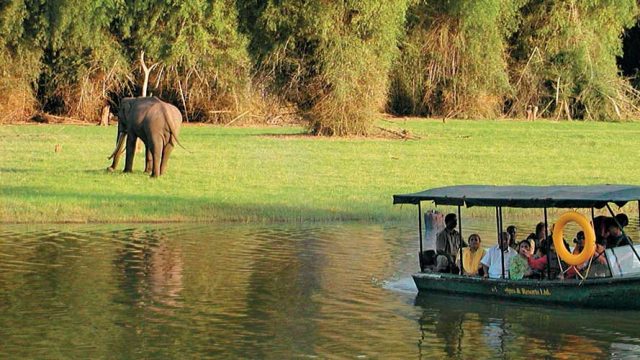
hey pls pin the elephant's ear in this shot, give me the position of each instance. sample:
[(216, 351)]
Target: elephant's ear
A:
[(120, 115), (126, 107)]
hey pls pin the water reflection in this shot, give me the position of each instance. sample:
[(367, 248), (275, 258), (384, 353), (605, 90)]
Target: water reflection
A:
[(151, 268), (481, 328), (262, 291)]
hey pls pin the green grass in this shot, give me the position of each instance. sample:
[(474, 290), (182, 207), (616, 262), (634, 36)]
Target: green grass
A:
[(245, 174)]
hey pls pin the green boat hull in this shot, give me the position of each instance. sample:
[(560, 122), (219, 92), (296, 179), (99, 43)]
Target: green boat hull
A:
[(614, 293)]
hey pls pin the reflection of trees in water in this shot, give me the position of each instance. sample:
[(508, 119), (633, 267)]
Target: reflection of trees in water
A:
[(468, 327), (284, 279), (55, 294), (151, 269)]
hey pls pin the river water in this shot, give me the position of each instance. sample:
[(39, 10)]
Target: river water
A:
[(265, 291)]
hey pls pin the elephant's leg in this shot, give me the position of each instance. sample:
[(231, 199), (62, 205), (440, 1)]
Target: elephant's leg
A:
[(156, 151), (148, 160), (131, 151), (165, 157)]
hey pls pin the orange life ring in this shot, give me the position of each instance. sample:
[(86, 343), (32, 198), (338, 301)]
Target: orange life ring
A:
[(589, 238)]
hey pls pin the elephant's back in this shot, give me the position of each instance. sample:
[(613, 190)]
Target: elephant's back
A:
[(171, 110)]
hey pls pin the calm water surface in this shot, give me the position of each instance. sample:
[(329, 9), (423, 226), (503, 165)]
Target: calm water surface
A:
[(264, 291)]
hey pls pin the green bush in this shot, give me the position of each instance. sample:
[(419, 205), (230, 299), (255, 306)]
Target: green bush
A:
[(454, 59), (565, 59), (331, 59), (203, 61), (19, 64)]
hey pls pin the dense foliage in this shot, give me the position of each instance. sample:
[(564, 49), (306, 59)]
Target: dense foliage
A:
[(329, 58), (332, 63), (454, 60), (565, 59)]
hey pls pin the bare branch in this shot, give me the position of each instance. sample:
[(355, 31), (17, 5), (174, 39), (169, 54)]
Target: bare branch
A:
[(147, 71)]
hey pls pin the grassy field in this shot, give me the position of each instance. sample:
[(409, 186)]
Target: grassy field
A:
[(277, 174)]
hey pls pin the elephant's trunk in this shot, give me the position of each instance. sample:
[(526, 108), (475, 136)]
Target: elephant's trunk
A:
[(119, 145)]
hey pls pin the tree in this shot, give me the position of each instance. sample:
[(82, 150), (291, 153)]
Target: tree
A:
[(204, 64), (565, 59), (81, 60), (454, 58), (331, 59), (19, 63)]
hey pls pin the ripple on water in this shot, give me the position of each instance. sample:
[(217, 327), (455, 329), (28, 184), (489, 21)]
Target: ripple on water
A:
[(262, 291)]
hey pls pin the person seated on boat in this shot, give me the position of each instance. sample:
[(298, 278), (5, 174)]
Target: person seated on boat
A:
[(532, 241), (512, 230), (519, 265), (623, 220), (471, 257), (600, 227), (579, 241), (598, 259), (448, 243), (599, 265), (616, 236), (537, 237), (539, 264), (573, 269), (492, 260)]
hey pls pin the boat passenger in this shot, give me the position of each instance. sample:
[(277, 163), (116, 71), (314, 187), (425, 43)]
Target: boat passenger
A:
[(623, 220), (492, 260), (573, 269), (616, 236), (539, 264), (600, 227), (537, 236), (597, 264), (472, 255), (531, 239), (519, 266), (512, 230), (448, 245)]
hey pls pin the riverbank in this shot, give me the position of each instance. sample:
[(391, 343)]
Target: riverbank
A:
[(56, 173)]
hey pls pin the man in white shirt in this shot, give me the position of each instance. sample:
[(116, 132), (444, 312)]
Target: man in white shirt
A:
[(492, 260)]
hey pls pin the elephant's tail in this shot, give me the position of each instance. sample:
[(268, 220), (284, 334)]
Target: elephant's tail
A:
[(172, 128)]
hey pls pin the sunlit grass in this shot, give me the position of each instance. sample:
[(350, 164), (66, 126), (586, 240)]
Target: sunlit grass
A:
[(246, 174)]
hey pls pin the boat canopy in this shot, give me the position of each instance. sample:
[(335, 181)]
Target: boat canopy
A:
[(562, 196)]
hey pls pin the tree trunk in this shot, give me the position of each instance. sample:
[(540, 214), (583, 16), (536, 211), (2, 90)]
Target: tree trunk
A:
[(104, 118)]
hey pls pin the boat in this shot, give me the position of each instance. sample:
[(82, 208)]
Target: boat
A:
[(620, 289)]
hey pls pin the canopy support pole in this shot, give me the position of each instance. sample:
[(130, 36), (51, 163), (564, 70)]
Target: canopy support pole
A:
[(547, 244), (500, 238), (460, 240), (498, 231), (613, 215), (420, 230)]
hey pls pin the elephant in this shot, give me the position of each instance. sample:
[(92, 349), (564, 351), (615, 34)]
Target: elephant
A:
[(156, 123)]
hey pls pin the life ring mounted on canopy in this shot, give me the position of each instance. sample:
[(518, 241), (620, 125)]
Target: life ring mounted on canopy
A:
[(589, 238)]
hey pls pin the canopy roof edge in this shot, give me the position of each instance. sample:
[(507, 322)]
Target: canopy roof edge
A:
[(559, 196)]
